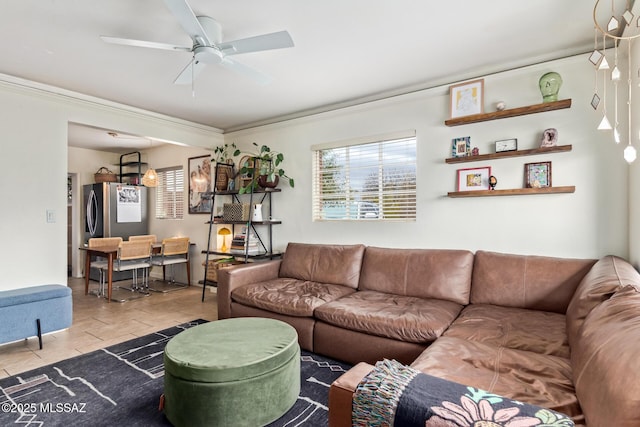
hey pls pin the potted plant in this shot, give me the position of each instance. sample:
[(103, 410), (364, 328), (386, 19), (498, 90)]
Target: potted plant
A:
[(222, 153), (224, 174), (268, 169)]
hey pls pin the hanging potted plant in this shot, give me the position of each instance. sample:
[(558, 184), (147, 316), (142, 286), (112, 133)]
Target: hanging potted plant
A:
[(268, 170), (222, 154)]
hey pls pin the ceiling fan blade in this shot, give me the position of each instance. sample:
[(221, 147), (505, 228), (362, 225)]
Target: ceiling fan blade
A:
[(143, 43), (278, 40), (254, 74), (189, 72), (187, 19)]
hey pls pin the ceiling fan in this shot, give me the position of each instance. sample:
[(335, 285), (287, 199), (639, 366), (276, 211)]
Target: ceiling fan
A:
[(208, 47)]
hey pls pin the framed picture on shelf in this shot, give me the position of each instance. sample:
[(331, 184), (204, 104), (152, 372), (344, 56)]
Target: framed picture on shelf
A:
[(461, 147), (200, 196), (474, 179), (537, 175), (466, 98), (506, 145)]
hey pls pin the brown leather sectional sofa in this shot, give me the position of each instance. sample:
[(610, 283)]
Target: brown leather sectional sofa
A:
[(554, 332)]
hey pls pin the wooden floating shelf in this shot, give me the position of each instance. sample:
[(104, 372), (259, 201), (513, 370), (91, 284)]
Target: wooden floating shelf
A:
[(517, 153), (223, 222), (513, 192), (256, 191), (513, 112)]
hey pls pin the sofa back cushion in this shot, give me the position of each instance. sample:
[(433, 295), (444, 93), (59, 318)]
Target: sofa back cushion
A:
[(606, 277), (424, 273), (334, 264), (524, 281), (605, 362)]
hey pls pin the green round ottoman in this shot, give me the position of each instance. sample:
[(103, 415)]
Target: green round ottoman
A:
[(232, 372)]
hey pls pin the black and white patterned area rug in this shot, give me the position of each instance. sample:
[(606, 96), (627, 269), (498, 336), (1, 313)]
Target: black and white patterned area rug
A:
[(122, 384)]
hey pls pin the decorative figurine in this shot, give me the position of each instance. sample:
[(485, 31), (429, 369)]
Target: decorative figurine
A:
[(500, 105), (549, 138), (550, 86), (475, 151), (493, 181)]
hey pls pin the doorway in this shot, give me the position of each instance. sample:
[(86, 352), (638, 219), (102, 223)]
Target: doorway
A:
[(74, 266)]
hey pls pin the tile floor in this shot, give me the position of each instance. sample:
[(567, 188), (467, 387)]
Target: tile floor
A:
[(98, 324)]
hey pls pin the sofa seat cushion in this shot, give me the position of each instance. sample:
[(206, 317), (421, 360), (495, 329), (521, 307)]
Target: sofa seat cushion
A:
[(525, 376), (292, 297), (410, 319), (541, 332)]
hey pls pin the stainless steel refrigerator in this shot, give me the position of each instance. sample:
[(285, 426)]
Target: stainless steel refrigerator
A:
[(114, 210)]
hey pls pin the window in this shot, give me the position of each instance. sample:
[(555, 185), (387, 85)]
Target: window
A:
[(371, 179), (170, 193)]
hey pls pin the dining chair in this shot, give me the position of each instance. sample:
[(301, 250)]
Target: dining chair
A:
[(101, 263), (151, 238), (133, 256), (174, 250)]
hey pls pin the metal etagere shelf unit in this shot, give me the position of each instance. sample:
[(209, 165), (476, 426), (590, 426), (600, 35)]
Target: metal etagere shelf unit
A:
[(261, 230)]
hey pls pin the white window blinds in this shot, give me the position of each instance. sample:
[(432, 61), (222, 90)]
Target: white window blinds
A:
[(374, 180), (170, 193)]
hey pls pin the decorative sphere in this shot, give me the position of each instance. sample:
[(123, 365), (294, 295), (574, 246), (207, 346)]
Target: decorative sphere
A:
[(630, 154)]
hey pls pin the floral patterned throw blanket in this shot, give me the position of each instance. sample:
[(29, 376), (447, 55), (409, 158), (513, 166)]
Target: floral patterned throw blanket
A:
[(393, 394)]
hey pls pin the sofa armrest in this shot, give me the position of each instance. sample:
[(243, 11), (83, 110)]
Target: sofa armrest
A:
[(341, 394), (233, 277)]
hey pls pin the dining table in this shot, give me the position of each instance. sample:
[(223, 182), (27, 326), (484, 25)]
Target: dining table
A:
[(108, 252)]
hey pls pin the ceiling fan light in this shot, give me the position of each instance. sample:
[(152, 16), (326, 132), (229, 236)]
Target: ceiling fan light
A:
[(150, 178)]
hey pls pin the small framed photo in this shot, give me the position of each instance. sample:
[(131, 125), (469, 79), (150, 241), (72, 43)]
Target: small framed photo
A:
[(461, 147), (466, 98), (537, 175), (506, 145), (474, 179)]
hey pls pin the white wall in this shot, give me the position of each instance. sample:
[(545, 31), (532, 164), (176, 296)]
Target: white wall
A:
[(634, 175), (33, 179), (589, 223)]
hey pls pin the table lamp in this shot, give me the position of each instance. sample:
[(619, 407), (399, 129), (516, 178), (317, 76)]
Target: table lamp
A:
[(224, 232)]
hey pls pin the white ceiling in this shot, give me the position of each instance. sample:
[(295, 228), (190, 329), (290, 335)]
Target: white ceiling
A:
[(345, 51)]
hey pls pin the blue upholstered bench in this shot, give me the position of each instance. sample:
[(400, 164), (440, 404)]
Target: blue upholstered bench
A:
[(33, 311)]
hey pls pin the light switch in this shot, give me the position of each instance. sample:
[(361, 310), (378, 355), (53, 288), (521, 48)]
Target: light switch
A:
[(51, 215)]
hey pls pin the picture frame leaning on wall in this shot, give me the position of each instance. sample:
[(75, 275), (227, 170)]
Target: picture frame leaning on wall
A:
[(200, 194)]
